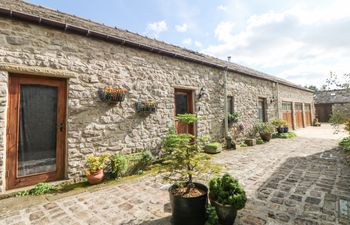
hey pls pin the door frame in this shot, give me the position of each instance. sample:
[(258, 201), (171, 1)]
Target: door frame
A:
[(12, 129), (188, 92)]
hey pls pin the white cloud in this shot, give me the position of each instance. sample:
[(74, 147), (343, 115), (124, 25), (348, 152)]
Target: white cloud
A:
[(222, 7), (154, 29), (302, 44), (182, 28), (198, 44), (187, 41)]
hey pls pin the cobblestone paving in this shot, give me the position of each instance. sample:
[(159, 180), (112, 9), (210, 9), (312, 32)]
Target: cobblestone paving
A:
[(298, 181)]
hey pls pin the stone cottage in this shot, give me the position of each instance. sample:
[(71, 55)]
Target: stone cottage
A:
[(327, 102), (51, 116)]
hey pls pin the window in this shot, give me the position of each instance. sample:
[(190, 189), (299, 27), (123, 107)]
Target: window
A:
[(262, 117), (230, 108)]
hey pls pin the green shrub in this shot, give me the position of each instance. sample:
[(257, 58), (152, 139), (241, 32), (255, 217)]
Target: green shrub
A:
[(214, 145), (265, 128), (39, 189), (130, 164), (227, 191), (187, 118), (243, 145), (284, 135), (259, 141), (345, 144), (233, 117), (279, 123), (95, 163), (212, 216)]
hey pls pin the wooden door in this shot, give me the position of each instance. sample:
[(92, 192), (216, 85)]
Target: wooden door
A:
[(307, 108), (288, 113), (183, 104), (299, 115), (35, 130), (324, 112)]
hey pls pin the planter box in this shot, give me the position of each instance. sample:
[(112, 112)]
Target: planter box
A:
[(250, 142), (112, 95), (213, 148), (144, 107)]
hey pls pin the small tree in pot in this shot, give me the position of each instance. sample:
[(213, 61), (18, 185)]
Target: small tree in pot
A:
[(94, 168), (280, 125), (227, 196), (184, 159), (265, 130)]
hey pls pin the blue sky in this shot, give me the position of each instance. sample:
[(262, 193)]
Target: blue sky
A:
[(298, 40)]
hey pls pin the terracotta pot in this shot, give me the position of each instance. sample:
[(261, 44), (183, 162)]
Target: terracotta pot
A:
[(95, 178)]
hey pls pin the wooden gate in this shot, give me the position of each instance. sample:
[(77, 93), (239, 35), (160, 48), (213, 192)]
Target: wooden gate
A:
[(307, 108), (299, 115), (288, 113)]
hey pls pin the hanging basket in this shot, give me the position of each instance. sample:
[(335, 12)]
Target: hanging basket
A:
[(146, 107), (112, 95)]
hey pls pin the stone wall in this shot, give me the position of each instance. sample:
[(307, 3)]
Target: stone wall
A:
[(94, 126), (3, 115)]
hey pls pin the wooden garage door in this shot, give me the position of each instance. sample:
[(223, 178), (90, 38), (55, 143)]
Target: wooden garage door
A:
[(299, 115), (287, 113), (307, 108)]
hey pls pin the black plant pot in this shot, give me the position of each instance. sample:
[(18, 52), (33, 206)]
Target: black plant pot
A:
[(189, 211), (226, 213), (266, 137), (280, 130), (285, 129)]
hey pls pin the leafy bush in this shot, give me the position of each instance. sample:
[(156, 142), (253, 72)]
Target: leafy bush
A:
[(39, 189), (183, 156), (265, 128), (259, 141), (279, 123), (284, 135), (345, 144), (243, 145), (95, 163), (212, 216), (227, 191), (213, 145), (233, 117), (134, 163)]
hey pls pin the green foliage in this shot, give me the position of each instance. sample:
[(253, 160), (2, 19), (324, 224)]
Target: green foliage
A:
[(94, 163), (347, 126), (187, 118), (183, 156), (265, 128), (39, 189), (134, 163), (259, 141), (345, 144), (284, 135), (214, 145), (233, 117), (279, 123), (212, 216), (243, 145), (227, 191)]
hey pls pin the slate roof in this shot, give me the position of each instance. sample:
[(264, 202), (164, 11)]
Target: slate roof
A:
[(79, 25), (332, 96)]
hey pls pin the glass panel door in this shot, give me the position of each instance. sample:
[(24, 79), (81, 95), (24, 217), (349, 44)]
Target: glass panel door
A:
[(37, 129)]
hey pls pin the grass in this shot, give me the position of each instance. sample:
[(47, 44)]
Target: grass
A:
[(284, 135)]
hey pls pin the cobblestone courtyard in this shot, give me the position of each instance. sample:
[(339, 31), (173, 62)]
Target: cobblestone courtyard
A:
[(299, 181)]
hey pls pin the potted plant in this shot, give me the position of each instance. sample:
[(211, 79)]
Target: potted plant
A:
[(233, 117), (251, 140), (183, 159), (227, 196), (213, 148), (285, 128), (280, 125), (112, 95), (265, 130), (94, 168)]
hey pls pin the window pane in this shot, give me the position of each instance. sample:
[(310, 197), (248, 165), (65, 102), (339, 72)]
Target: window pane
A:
[(181, 104), (37, 129), (230, 104)]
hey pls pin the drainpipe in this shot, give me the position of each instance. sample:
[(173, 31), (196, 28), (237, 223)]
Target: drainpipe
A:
[(225, 102)]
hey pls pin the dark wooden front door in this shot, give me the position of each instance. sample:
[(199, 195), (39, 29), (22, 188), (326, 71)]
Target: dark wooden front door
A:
[(288, 113), (299, 115), (323, 112), (35, 130), (183, 104)]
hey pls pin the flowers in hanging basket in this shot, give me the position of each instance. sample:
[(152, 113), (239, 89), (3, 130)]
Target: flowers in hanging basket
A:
[(149, 106), (109, 94)]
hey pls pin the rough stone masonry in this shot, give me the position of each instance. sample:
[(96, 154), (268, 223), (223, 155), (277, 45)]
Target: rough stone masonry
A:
[(88, 64)]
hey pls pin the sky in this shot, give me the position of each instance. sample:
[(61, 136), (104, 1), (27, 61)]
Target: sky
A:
[(301, 41)]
